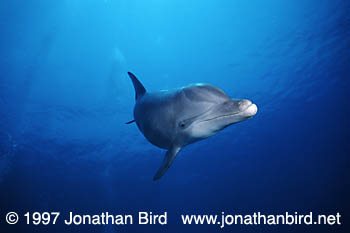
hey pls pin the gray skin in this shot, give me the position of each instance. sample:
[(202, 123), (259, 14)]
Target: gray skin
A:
[(175, 118)]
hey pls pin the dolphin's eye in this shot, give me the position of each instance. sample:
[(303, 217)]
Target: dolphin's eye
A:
[(182, 125)]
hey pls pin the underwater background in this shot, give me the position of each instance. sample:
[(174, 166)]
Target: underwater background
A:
[(65, 97)]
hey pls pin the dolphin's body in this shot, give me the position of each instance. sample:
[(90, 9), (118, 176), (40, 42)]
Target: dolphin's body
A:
[(175, 118)]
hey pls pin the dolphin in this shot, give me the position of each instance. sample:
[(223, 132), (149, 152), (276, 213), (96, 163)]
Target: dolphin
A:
[(175, 118)]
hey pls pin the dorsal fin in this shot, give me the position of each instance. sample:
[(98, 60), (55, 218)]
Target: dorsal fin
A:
[(139, 89)]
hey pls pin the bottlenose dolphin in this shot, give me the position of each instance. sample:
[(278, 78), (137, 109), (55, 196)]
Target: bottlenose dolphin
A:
[(175, 118)]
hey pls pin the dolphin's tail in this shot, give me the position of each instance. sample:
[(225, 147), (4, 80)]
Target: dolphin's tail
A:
[(139, 88)]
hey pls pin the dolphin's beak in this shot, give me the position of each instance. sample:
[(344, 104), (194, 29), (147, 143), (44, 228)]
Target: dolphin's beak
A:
[(252, 109), (246, 108), (249, 111)]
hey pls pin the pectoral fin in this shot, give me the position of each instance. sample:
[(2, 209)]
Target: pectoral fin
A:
[(129, 122), (167, 161)]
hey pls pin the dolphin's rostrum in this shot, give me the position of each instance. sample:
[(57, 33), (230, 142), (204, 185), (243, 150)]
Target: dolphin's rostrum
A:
[(175, 118)]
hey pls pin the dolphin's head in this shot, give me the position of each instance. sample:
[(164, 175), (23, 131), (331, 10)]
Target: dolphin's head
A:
[(222, 115), (208, 110)]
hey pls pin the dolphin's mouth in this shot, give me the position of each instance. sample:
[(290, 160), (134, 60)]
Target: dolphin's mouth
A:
[(249, 111), (218, 117)]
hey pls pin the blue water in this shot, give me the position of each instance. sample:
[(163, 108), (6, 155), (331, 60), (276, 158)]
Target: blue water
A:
[(65, 96)]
